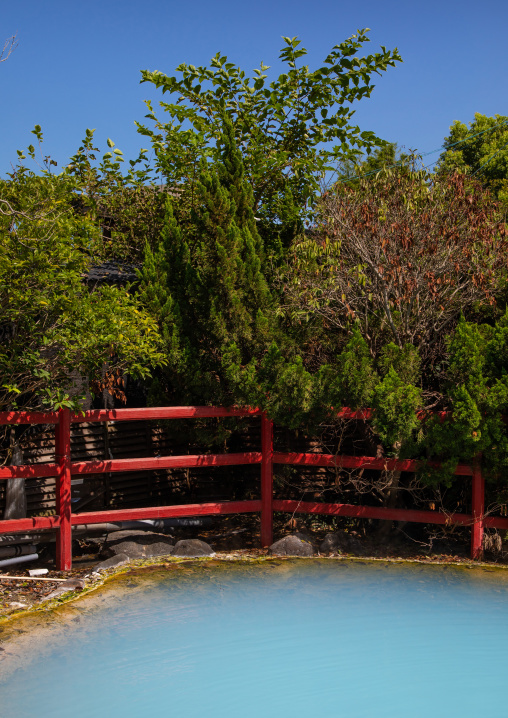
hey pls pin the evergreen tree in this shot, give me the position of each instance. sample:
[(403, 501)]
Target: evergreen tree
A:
[(205, 283)]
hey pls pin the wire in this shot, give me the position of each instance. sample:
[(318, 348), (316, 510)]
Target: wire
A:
[(442, 147), (491, 158)]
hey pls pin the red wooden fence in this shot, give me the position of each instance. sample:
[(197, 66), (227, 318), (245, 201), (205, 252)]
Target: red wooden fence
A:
[(64, 469)]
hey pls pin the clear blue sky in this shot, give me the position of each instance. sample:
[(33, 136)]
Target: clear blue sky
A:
[(77, 63)]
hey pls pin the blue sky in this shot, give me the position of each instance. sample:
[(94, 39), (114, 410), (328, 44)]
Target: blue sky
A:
[(77, 64)]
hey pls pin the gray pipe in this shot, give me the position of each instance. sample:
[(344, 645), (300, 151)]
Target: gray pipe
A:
[(142, 525), (146, 524), (19, 559), (10, 551)]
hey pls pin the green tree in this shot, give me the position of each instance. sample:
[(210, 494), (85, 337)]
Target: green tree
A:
[(385, 157), (206, 281), (54, 329), (289, 132), (480, 149), (477, 397)]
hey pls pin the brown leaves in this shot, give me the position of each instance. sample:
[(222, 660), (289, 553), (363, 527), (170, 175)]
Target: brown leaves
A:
[(422, 249), (113, 383)]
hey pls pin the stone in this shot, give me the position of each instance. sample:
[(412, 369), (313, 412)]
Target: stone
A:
[(192, 548), (139, 544), (118, 559), (339, 542), (72, 584), (304, 537), (292, 546), (17, 605)]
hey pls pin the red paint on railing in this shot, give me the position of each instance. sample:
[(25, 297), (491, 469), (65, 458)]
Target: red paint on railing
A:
[(371, 512), (164, 512), (63, 469), (63, 491), (477, 509), (164, 462), (266, 481), (361, 462)]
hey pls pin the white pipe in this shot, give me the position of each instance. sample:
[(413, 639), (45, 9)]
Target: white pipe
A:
[(20, 559), (19, 550)]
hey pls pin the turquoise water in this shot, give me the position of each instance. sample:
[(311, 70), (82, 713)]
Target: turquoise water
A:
[(289, 640)]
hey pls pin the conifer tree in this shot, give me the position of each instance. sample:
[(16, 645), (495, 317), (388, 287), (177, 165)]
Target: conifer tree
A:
[(205, 283)]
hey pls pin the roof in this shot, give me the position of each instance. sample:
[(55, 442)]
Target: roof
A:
[(112, 273)]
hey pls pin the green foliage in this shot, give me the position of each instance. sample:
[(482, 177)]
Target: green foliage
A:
[(358, 377), (478, 395), (59, 337), (205, 283), (405, 361), (290, 132), (382, 158), (483, 152), (122, 201), (396, 403)]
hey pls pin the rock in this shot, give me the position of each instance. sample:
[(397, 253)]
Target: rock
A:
[(339, 542), (305, 537), (73, 584), (37, 571), (16, 605), (139, 544), (292, 546), (332, 543), (192, 548), (118, 559)]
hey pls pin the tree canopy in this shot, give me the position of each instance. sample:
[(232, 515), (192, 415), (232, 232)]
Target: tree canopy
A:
[(289, 131), (60, 338), (479, 149)]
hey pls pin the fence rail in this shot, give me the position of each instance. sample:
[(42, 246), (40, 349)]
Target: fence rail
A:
[(64, 469)]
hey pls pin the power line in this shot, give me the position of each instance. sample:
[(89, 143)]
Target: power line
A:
[(491, 158), (442, 147)]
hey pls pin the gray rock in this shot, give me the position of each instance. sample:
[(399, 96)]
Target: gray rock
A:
[(73, 584), (118, 560), (192, 548), (305, 537), (339, 542), (292, 546), (139, 544)]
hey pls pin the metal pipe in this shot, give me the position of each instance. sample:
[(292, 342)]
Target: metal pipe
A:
[(19, 559), (146, 524), (141, 525), (10, 551)]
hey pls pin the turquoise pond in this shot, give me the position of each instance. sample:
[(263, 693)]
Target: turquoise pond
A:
[(285, 639)]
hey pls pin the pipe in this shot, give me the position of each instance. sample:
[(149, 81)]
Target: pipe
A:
[(10, 539), (10, 551), (20, 559), (142, 525), (145, 524)]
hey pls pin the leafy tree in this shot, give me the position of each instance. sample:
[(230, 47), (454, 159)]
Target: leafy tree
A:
[(289, 132), (54, 329), (125, 204), (482, 152), (403, 254), (385, 157)]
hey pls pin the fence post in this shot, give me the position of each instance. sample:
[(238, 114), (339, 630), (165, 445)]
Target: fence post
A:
[(478, 507), (266, 481), (63, 490)]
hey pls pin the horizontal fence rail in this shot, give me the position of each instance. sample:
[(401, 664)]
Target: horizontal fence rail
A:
[(63, 468)]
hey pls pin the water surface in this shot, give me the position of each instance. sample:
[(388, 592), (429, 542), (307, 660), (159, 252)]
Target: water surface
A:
[(285, 639)]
